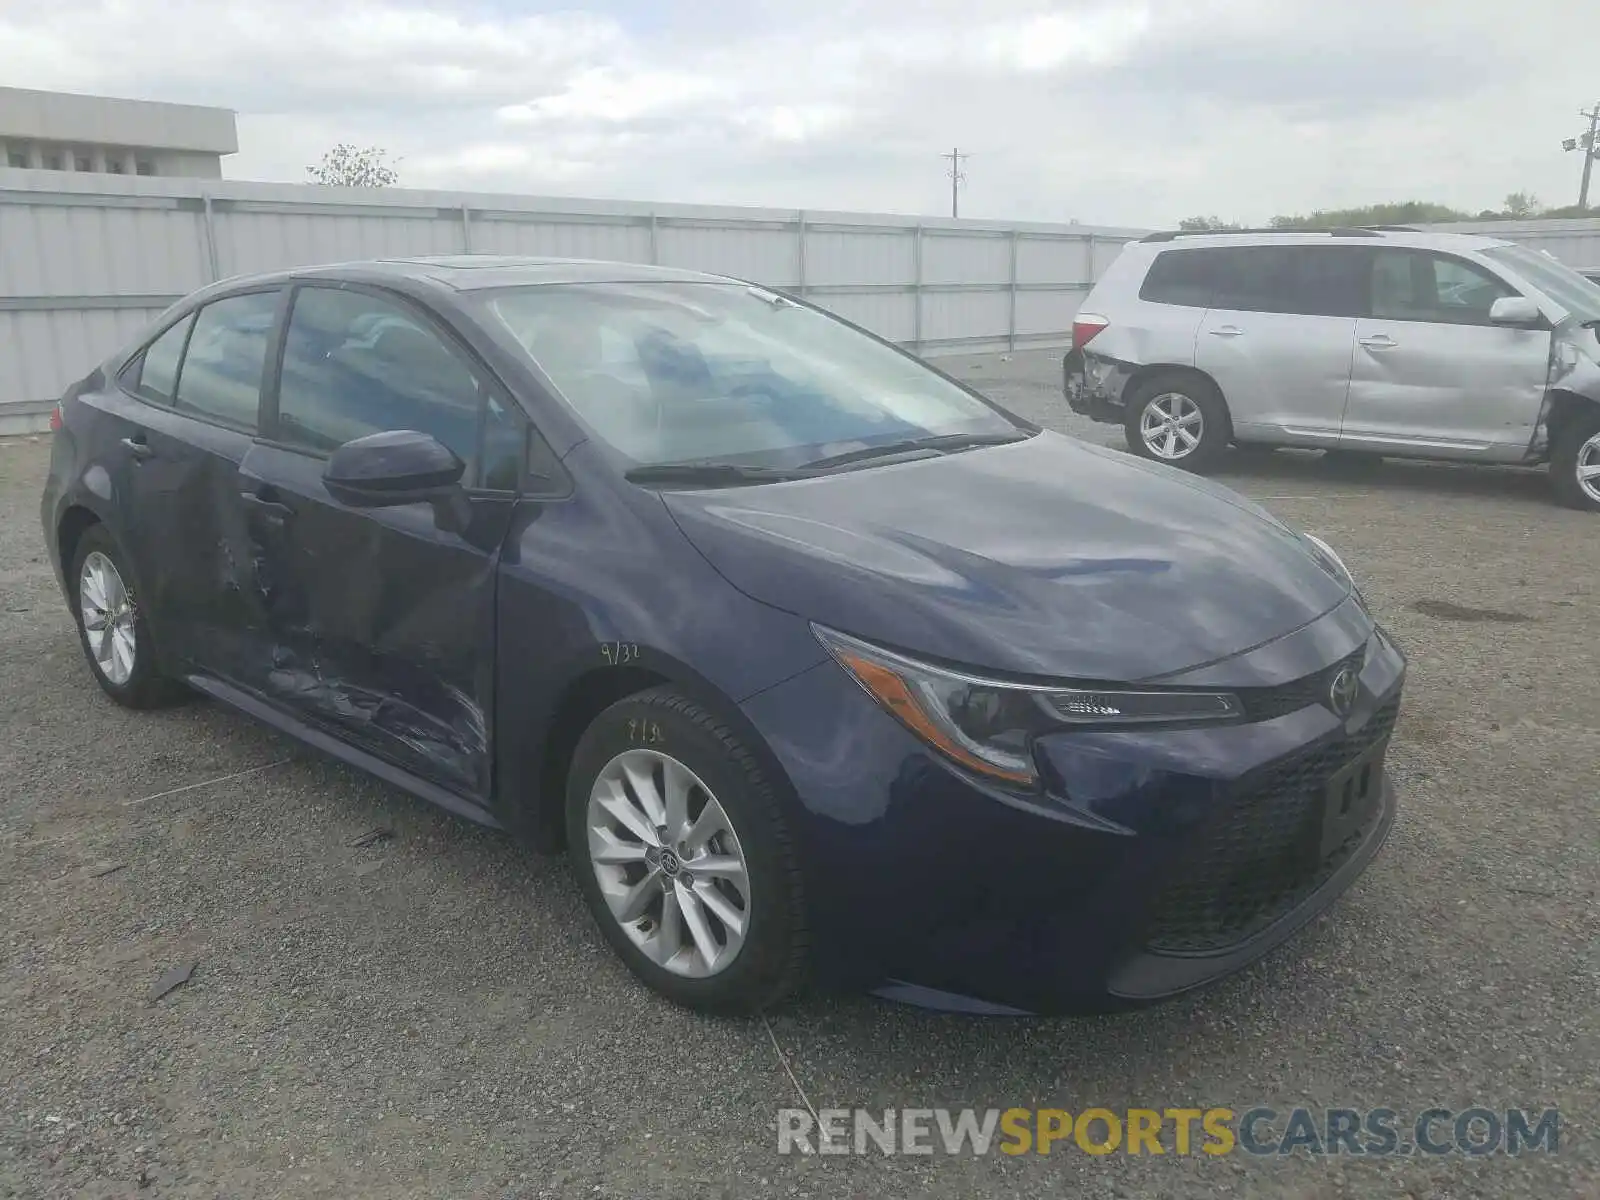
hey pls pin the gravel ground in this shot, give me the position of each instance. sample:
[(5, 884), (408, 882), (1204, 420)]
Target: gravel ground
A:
[(432, 1015)]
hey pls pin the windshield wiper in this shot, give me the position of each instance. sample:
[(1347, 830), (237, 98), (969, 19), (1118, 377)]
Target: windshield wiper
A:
[(713, 474), (944, 441)]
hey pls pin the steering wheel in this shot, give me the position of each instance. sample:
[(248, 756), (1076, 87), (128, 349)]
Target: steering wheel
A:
[(767, 391)]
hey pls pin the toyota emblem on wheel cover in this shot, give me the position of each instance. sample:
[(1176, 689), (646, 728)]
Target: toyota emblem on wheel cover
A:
[(1342, 691)]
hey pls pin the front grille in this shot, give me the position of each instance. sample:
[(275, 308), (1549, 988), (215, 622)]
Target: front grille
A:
[(1266, 703), (1262, 855)]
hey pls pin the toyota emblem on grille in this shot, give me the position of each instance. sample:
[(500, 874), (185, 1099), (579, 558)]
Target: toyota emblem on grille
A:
[(1342, 691)]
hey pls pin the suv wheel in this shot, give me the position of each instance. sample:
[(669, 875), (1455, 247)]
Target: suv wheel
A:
[(683, 855), (1177, 419), (1575, 462), (112, 627)]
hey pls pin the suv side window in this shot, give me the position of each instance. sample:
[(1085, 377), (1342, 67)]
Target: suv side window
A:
[(221, 373), (1417, 285), (354, 364), (1327, 281), (1256, 279), (1186, 277)]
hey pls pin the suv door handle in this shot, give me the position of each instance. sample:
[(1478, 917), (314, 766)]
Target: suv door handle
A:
[(1379, 341), (137, 446), (270, 509), (1225, 331)]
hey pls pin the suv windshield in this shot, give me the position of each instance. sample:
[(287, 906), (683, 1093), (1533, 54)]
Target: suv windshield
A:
[(729, 373), (1561, 283)]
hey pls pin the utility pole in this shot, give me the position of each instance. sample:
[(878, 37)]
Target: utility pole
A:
[(957, 178), (1588, 144)]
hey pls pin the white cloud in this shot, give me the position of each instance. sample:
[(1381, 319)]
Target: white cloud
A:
[(1052, 40), (1111, 111)]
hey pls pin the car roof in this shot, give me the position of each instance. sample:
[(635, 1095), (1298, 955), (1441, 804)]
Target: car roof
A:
[(469, 272), (1412, 238)]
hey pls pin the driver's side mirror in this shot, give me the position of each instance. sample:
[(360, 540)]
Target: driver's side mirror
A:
[(1514, 310), (399, 466)]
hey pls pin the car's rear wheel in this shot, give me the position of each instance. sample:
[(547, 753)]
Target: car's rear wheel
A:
[(112, 627), (683, 854), (1177, 419), (1575, 462)]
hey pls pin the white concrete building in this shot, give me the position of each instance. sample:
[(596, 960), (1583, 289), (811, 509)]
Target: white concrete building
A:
[(59, 131)]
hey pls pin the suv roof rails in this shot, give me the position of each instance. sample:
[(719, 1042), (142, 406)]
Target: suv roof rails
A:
[(1169, 235)]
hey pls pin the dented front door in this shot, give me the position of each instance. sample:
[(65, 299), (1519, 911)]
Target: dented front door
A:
[(1432, 374), (379, 623)]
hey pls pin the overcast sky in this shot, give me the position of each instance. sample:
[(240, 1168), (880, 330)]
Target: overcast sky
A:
[(1131, 113)]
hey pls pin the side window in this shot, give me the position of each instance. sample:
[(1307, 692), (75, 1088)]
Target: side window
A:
[(1327, 281), (355, 364), (1185, 277), (1464, 292), (221, 373), (153, 376), (1256, 279), (1414, 285), (505, 439)]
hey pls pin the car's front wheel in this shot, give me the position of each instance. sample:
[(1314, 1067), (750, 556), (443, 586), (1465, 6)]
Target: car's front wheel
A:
[(1575, 462), (1177, 419), (112, 627), (683, 854)]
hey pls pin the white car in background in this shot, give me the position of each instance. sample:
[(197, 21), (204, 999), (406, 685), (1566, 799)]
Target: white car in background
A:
[(1382, 341)]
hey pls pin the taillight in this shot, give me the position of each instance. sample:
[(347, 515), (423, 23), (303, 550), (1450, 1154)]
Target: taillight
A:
[(55, 418), (1085, 327)]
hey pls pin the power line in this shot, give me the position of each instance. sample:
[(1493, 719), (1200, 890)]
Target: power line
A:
[(957, 178)]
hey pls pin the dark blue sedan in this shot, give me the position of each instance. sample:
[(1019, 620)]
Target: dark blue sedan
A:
[(817, 663)]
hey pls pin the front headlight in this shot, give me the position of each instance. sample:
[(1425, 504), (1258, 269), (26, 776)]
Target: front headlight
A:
[(1330, 557), (988, 725)]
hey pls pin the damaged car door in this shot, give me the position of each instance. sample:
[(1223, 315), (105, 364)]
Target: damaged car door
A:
[(378, 616), (1434, 372)]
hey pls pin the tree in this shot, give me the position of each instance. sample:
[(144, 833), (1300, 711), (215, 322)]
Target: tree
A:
[(1200, 224), (346, 166), (1409, 212), (1522, 204)]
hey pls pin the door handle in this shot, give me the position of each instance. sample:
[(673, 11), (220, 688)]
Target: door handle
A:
[(272, 510), (1380, 341), (1225, 331), (137, 446)]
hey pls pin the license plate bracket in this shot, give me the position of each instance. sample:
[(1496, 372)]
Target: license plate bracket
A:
[(1350, 798)]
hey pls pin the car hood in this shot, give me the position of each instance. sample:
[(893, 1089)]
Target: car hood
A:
[(1047, 557)]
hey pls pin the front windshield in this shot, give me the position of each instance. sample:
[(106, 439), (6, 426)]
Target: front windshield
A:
[(710, 372), (1555, 279)]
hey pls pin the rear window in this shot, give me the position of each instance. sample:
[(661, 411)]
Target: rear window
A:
[(1321, 281), (222, 364), (1304, 281), (1185, 277)]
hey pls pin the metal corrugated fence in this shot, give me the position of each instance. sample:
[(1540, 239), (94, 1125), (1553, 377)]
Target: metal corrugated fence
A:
[(85, 263), (1574, 240)]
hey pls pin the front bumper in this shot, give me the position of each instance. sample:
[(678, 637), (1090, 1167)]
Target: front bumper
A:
[(1130, 878)]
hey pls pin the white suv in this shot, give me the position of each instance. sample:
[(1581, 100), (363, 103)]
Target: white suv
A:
[(1381, 341)]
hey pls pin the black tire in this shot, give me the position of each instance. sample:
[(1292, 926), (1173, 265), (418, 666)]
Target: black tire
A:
[(772, 961), (1216, 427), (1574, 435), (145, 686)]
